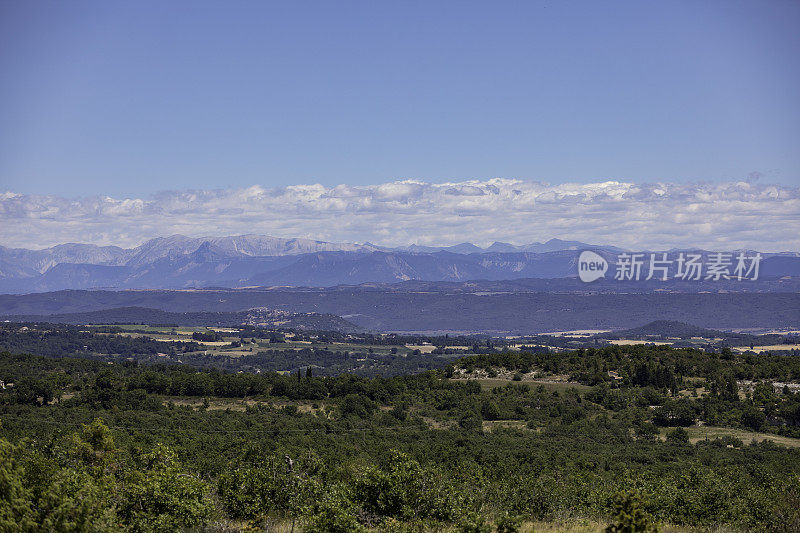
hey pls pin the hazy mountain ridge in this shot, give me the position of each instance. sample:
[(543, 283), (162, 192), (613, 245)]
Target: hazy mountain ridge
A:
[(253, 260), (179, 261), (168, 247)]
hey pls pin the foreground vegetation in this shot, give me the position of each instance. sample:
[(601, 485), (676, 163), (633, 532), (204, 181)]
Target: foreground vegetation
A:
[(618, 435)]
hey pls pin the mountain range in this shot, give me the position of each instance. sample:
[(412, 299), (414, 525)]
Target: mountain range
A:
[(255, 260)]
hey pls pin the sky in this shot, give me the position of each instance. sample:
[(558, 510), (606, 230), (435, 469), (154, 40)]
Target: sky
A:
[(108, 107)]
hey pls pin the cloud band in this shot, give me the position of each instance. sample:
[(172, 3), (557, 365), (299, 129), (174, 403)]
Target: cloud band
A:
[(637, 216)]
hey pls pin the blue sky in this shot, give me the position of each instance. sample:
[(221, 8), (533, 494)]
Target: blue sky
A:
[(129, 98)]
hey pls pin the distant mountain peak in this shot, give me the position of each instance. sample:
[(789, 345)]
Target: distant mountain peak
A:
[(177, 261), (502, 247)]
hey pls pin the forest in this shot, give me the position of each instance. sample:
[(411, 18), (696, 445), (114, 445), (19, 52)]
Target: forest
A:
[(620, 436)]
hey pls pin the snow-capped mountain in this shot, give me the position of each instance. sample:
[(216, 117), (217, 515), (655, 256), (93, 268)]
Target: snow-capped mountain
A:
[(258, 260)]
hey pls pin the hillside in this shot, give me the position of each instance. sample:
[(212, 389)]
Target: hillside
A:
[(142, 315), (395, 309), (669, 328), (551, 441), (672, 329)]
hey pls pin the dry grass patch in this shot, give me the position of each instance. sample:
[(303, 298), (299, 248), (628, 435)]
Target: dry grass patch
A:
[(551, 385), (492, 425), (629, 342), (769, 348), (698, 433), (423, 348)]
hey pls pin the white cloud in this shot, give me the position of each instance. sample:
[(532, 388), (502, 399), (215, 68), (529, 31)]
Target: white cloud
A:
[(638, 216)]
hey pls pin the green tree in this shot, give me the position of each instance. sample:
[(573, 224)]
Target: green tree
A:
[(159, 496), (404, 491), (334, 513), (74, 501), (94, 447), (253, 492), (753, 418), (15, 498), (490, 410), (678, 436), (630, 516)]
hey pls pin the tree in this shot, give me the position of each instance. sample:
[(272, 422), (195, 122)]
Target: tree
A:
[(334, 513), (471, 422), (674, 413), (75, 501), (94, 447), (159, 496), (678, 436), (15, 504), (403, 490), (630, 515), (753, 418), (252, 492), (490, 410)]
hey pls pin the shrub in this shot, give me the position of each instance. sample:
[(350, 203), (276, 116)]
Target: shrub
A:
[(334, 513), (630, 516), (678, 436)]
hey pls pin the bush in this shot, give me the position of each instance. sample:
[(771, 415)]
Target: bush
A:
[(252, 493), (471, 422), (630, 515), (509, 524), (754, 419), (490, 411), (334, 513), (678, 436), (404, 491), (75, 502), (674, 413), (474, 523), (15, 505), (159, 496)]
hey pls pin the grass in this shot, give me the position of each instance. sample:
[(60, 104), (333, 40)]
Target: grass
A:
[(768, 348), (491, 425), (572, 525), (628, 342), (593, 525), (698, 433), (491, 383)]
